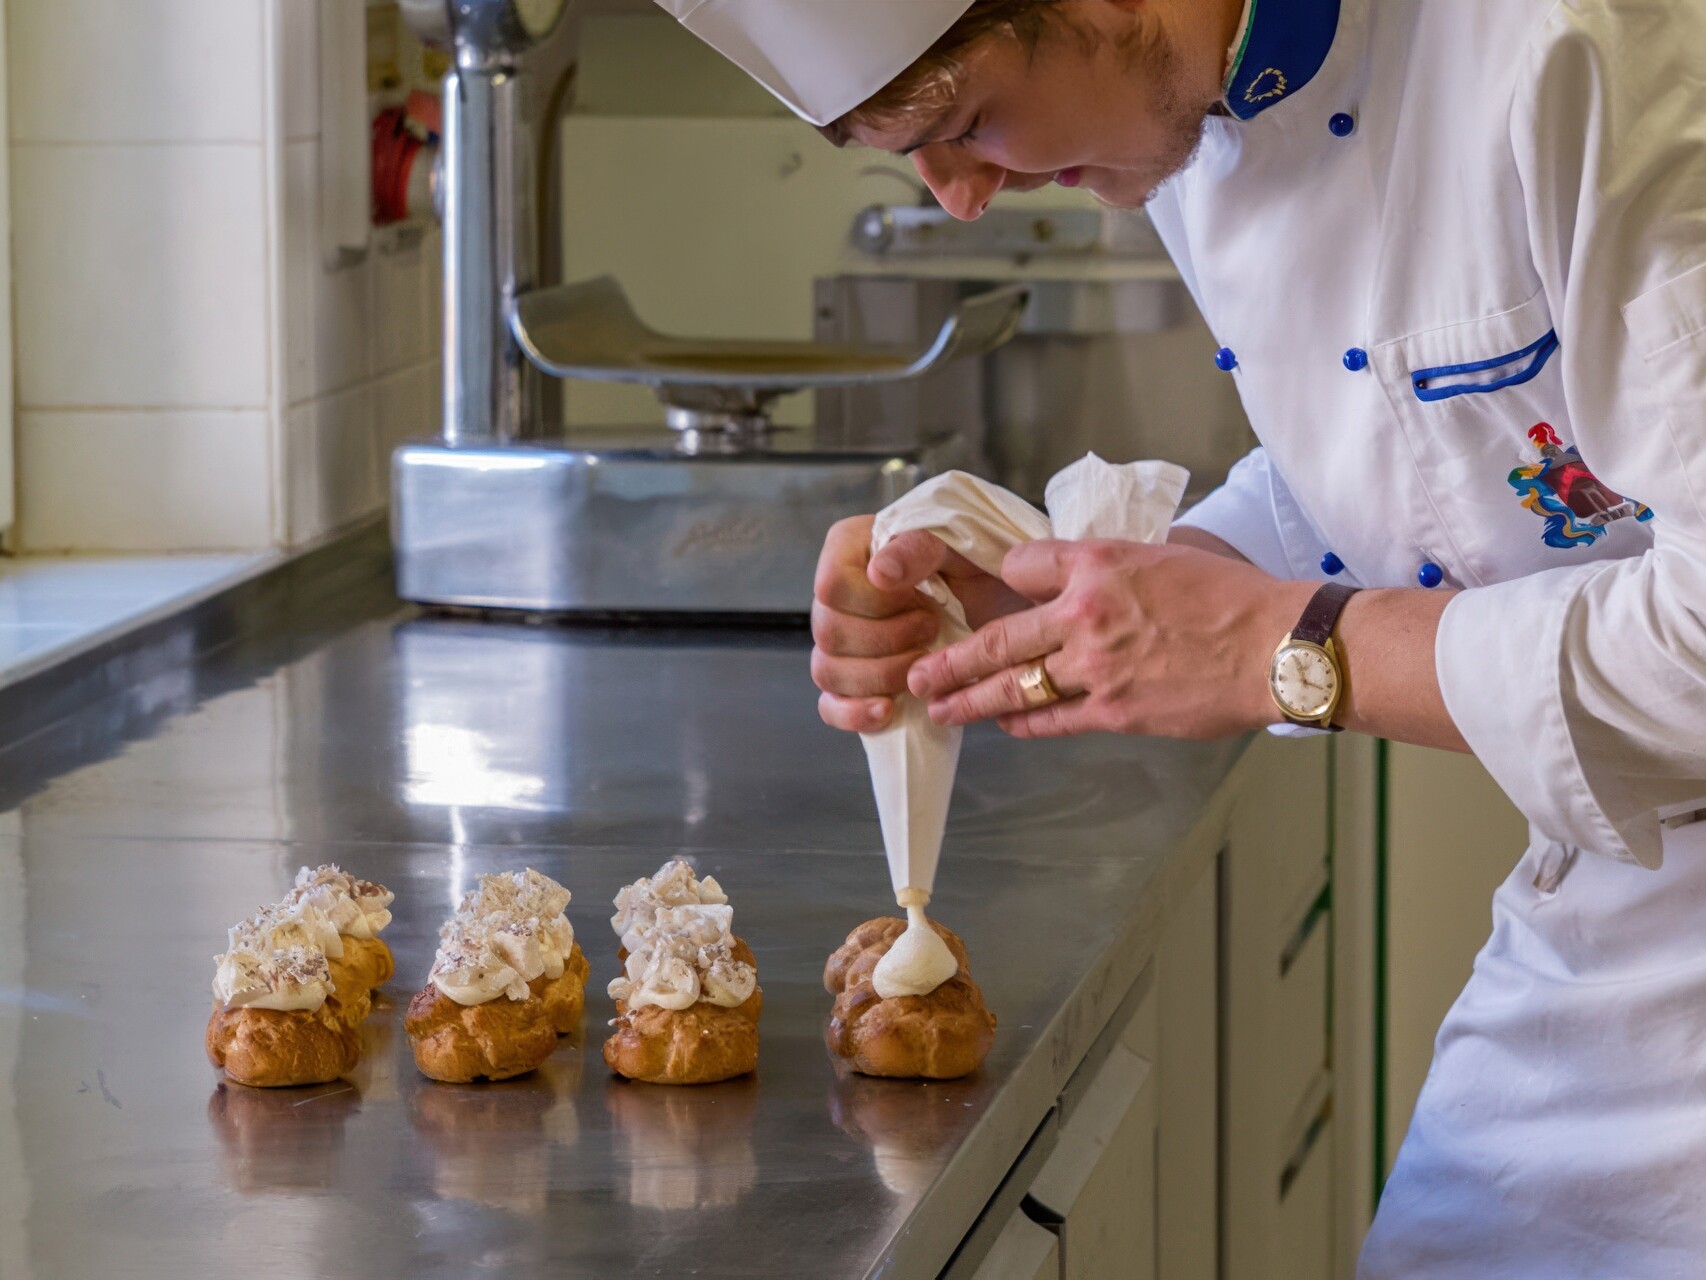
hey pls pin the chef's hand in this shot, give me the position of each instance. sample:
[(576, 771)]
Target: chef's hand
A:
[(870, 624), (1172, 641)]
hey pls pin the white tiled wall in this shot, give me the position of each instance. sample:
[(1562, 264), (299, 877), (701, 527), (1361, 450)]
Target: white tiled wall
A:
[(130, 479), (358, 339), (191, 376), (141, 275), (145, 71)]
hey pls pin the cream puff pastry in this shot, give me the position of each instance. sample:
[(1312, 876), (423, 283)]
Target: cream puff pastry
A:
[(273, 1023), (507, 980), (940, 1034), (688, 1001), (532, 895)]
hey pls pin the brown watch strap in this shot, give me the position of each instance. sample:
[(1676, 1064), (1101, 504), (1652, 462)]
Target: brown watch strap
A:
[(1322, 614)]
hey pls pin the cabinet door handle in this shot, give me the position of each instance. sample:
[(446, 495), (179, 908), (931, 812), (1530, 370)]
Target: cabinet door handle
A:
[(1318, 911), (1305, 1145)]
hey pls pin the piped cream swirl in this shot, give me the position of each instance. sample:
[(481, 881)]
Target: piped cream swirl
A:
[(291, 923), (288, 978), (528, 895), (508, 931), (917, 963), (678, 932), (359, 908)]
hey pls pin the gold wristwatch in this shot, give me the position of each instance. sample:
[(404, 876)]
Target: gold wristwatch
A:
[(1306, 677)]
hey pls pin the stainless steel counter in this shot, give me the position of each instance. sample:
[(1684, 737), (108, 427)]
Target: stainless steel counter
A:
[(421, 752)]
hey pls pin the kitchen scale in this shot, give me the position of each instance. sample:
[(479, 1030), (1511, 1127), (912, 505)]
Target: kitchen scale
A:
[(723, 512)]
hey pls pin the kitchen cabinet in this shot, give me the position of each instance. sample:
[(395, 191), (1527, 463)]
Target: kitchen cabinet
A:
[(1023, 1251), (1276, 907), (1198, 1139), (1187, 983), (1201, 1139), (1098, 1189), (1421, 839), (1442, 864)]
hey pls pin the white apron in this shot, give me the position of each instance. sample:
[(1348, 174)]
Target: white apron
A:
[(1562, 1129)]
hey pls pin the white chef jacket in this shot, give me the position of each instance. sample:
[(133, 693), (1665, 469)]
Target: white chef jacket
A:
[(1455, 252)]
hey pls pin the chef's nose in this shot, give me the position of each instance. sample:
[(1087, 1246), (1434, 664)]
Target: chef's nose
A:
[(962, 185)]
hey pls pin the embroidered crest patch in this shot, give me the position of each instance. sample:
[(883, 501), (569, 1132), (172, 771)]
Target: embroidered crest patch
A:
[(1266, 87), (1577, 507)]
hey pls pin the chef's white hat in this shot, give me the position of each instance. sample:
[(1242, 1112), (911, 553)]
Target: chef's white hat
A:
[(821, 57)]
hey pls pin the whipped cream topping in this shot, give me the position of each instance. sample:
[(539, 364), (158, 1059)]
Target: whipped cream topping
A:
[(527, 895), (917, 963), (678, 932), (357, 907), (480, 959), (292, 923), (508, 931), (285, 978)]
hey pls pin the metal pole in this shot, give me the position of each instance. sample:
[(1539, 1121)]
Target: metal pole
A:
[(488, 236)]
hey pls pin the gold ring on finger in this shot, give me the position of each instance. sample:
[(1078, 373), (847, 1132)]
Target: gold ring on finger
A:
[(1037, 688)]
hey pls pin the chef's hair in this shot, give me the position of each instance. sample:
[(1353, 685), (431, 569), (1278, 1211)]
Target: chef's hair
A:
[(928, 87)]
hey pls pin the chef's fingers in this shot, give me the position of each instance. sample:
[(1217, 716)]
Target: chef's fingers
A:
[(842, 580), (1000, 695), (1057, 720), (846, 635), (855, 715), (1040, 570), (995, 647), (910, 558), (862, 677)]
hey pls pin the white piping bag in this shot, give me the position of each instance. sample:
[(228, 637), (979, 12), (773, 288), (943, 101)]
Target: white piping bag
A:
[(913, 761)]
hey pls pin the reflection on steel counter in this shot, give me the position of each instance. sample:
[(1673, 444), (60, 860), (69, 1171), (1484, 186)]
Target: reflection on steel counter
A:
[(910, 1126), (430, 752), (492, 1144), (685, 1149), (282, 1140)]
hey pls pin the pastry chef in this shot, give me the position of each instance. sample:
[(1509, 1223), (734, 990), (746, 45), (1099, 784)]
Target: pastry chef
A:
[(1454, 254)]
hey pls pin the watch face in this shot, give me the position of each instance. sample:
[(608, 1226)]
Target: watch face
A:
[(1304, 681)]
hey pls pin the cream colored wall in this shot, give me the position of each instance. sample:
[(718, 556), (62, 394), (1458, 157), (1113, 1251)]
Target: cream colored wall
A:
[(1451, 838), (8, 471), (714, 206), (716, 227), (189, 376)]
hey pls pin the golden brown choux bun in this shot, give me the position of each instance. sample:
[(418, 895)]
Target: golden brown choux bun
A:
[(370, 959), (492, 1041), (940, 1036), (352, 1009), (701, 1044), (268, 1048), (565, 995)]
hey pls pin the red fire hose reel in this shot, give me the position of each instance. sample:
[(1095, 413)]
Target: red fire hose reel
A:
[(405, 148)]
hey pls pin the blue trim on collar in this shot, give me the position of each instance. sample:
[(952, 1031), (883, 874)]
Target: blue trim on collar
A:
[(1284, 45)]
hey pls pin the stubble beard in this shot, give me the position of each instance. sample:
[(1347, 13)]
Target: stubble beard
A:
[(1182, 124)]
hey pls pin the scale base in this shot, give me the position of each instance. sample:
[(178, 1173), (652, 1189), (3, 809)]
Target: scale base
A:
[(554, 528)]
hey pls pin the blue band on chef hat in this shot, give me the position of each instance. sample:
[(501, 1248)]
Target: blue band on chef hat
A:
[(1284, 44)]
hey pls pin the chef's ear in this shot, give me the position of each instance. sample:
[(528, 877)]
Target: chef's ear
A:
[(1134, 20)]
